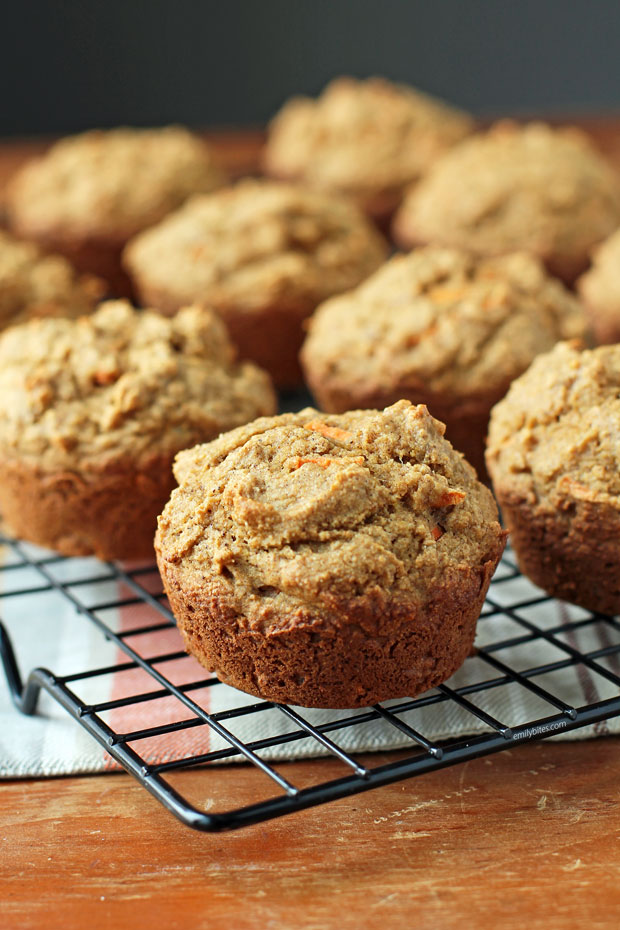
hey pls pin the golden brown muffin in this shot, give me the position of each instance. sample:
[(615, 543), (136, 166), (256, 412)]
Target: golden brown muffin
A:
[(600, 290), (516, 187), (329, 561), (35, 285), (90, 193), (262, 255), (554, 457), (439, 327), (367, 139), (93, 411)]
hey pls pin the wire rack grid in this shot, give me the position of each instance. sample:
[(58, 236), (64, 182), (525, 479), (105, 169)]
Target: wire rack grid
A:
[(535, 658)]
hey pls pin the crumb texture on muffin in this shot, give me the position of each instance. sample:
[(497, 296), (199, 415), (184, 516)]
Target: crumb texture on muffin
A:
[(364, 138), (554, 457), (600, 290), (253, 245), (558, 428), (121, 382), (517, 187), (93, 411), (439, 327), (330, 550), (262, 255), (439, 321), (37, 285), (110, 183)]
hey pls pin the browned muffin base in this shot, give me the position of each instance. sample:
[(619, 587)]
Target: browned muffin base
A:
[(572, 553), (101, 257), (466, 423), (379, 206), (567, 267), (605, 328), (110, 512), (340, 665), (270, 336)]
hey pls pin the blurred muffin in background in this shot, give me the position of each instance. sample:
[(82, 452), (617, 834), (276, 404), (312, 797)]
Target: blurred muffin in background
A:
[(600, 290), (367, 139), (263, 255), (516, 187), (439, 327), (93, 412), (36, 285), (90, 193)]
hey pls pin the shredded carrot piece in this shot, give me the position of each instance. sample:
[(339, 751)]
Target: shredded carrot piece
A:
[(330, 432), (437, 532), (446, 295), (494, 299), (320, 460), (576, 489), (324, 461), (105, 377), (415, 338), (449, 498)]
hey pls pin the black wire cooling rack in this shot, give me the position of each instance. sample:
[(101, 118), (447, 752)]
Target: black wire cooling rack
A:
[(533, 656)]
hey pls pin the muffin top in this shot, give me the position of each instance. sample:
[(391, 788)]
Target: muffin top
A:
[(362, 137), (600, 288), (255, 244), (110, 184), (313, 512), (517, 187), (556, 434), (121, 382), (33, 284), (441, 322)]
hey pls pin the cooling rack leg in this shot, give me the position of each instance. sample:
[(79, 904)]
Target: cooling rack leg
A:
[(25, 699)]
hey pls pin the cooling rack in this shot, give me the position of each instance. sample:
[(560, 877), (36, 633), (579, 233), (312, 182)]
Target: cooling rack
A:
[(552, 653)]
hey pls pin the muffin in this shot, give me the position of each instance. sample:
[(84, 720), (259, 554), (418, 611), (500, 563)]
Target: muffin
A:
[(439, 327), (600, 291), (367, 139), (35, 285), (329, 561), (90, 193), (261, 254), (554, 457), (516, 187), (93, 411)]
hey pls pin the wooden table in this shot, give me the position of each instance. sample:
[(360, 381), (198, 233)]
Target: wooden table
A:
[(526, 838)]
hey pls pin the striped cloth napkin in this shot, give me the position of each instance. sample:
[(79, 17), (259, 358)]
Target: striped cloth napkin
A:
[(47, 630)]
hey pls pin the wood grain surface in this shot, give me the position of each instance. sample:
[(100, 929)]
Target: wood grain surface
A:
[(527, 838)]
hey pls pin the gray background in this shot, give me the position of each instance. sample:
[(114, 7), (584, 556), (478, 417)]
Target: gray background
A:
[(71, 64)]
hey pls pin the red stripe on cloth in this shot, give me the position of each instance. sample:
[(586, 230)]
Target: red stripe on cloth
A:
[(164, 710)]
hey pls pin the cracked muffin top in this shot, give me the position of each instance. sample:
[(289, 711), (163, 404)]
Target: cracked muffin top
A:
[(600, 289), (363, 138), (110, 184), (256, 244), (122, 382), (308, 510), (517, 187), (441, 321), (33, 284), (557, 431)]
